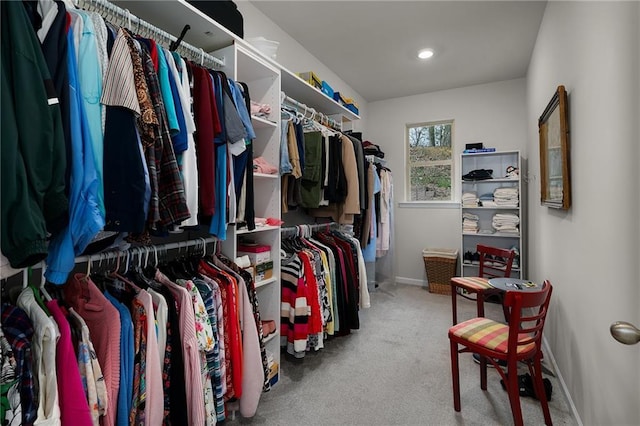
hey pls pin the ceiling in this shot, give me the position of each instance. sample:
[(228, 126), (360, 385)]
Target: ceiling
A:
[(373, 45)]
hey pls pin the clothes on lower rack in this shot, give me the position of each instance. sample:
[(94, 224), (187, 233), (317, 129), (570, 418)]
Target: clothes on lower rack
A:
[(324, 284), (385, 203), (172, 345)]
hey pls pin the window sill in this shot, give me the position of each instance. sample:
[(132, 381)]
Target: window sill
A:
[(429, 205)]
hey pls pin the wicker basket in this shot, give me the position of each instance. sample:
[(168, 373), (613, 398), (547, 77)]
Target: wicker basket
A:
[(441, 265)]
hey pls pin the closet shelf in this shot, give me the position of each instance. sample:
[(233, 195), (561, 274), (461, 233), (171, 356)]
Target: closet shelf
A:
[(265, 176), (490, 180), (497, 234), (271, 336), (172, 17), (301, 91), (491, 208), (262, 283), (261, 123), (258, 229)]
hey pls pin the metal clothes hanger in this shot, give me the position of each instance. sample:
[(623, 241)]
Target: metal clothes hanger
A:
[(43, 291)]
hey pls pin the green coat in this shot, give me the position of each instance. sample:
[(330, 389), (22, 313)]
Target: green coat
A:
[(33, 160)]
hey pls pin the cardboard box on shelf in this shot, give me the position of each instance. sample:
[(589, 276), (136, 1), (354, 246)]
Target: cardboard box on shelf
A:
[(311, 78), (264, 270), (273, 369)]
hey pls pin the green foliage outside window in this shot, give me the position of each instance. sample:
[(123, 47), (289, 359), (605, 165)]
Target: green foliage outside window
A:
[(430, 161)]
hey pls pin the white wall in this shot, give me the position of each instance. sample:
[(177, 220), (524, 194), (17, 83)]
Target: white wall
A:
[(293, 56), (591, 252), (494, 114)]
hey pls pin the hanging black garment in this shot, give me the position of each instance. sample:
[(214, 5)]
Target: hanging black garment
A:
[(336, 191), (124, 177), (341, 295), (353, 280)]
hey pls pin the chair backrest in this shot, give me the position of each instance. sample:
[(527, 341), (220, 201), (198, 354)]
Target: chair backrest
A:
[(528, 313), (495, 262)]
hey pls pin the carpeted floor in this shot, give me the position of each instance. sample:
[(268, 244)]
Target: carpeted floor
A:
[(396, 370)]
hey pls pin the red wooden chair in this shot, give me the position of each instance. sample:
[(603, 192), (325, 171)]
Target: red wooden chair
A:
[(494, 262), (519, 341)]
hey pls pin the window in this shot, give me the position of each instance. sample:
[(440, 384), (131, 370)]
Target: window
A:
[(430, 161)]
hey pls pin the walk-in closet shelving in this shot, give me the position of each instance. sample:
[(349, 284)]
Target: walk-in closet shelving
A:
[(263, 80), (243, 63)]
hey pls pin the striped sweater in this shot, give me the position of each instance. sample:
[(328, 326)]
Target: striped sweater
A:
[(295, 309)]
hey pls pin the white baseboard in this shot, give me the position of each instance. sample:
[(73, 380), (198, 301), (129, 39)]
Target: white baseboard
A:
[(411, 281), (549, 355)]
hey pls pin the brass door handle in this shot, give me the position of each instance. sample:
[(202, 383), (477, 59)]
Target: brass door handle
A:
[(625, 332)]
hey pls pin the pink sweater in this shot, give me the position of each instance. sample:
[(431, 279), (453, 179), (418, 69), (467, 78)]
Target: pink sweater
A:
[(74, 408), (190, 351), (103, 320), (154, 408)]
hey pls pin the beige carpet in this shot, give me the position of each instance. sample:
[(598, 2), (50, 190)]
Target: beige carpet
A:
[(396, 371)]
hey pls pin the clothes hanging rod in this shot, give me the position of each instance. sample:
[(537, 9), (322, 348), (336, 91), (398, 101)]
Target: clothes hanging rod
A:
[(324, 119), (307, 228), (153, 250), (109, 11)]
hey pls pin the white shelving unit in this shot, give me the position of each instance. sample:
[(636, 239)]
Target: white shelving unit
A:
[(498, 162), (263, 80)]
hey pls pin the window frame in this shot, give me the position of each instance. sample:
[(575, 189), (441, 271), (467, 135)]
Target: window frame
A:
[(408, 167)]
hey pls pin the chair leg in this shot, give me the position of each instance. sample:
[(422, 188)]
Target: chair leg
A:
[(454, 303), (483, 373), (480, 303), (455, 375), (505, 309), (539, 389), (513, 389)]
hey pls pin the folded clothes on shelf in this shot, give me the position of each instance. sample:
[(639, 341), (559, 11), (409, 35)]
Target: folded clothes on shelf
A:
[(260, 165), (261, 110)]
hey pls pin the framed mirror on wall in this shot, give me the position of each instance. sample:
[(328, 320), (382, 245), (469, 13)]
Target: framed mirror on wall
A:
[(555, 177)]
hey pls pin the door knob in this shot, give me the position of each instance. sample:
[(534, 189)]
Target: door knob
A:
[(625, 332)]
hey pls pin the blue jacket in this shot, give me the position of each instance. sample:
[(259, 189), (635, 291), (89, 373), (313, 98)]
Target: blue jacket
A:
[(85, 219)]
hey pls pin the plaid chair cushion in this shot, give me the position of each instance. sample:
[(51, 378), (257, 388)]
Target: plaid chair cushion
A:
[(488, 333), (473, 284)]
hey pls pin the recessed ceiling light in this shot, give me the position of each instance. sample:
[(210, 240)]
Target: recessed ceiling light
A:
[(425, 53)]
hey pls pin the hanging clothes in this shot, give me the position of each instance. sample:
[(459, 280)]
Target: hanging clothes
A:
[(44, 343), (85, 219), (103, 321), (91, 374), (19, 332), (190, 354), (386, 196), (33, 156), (74, 407), (323, 287), (10, 405)]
